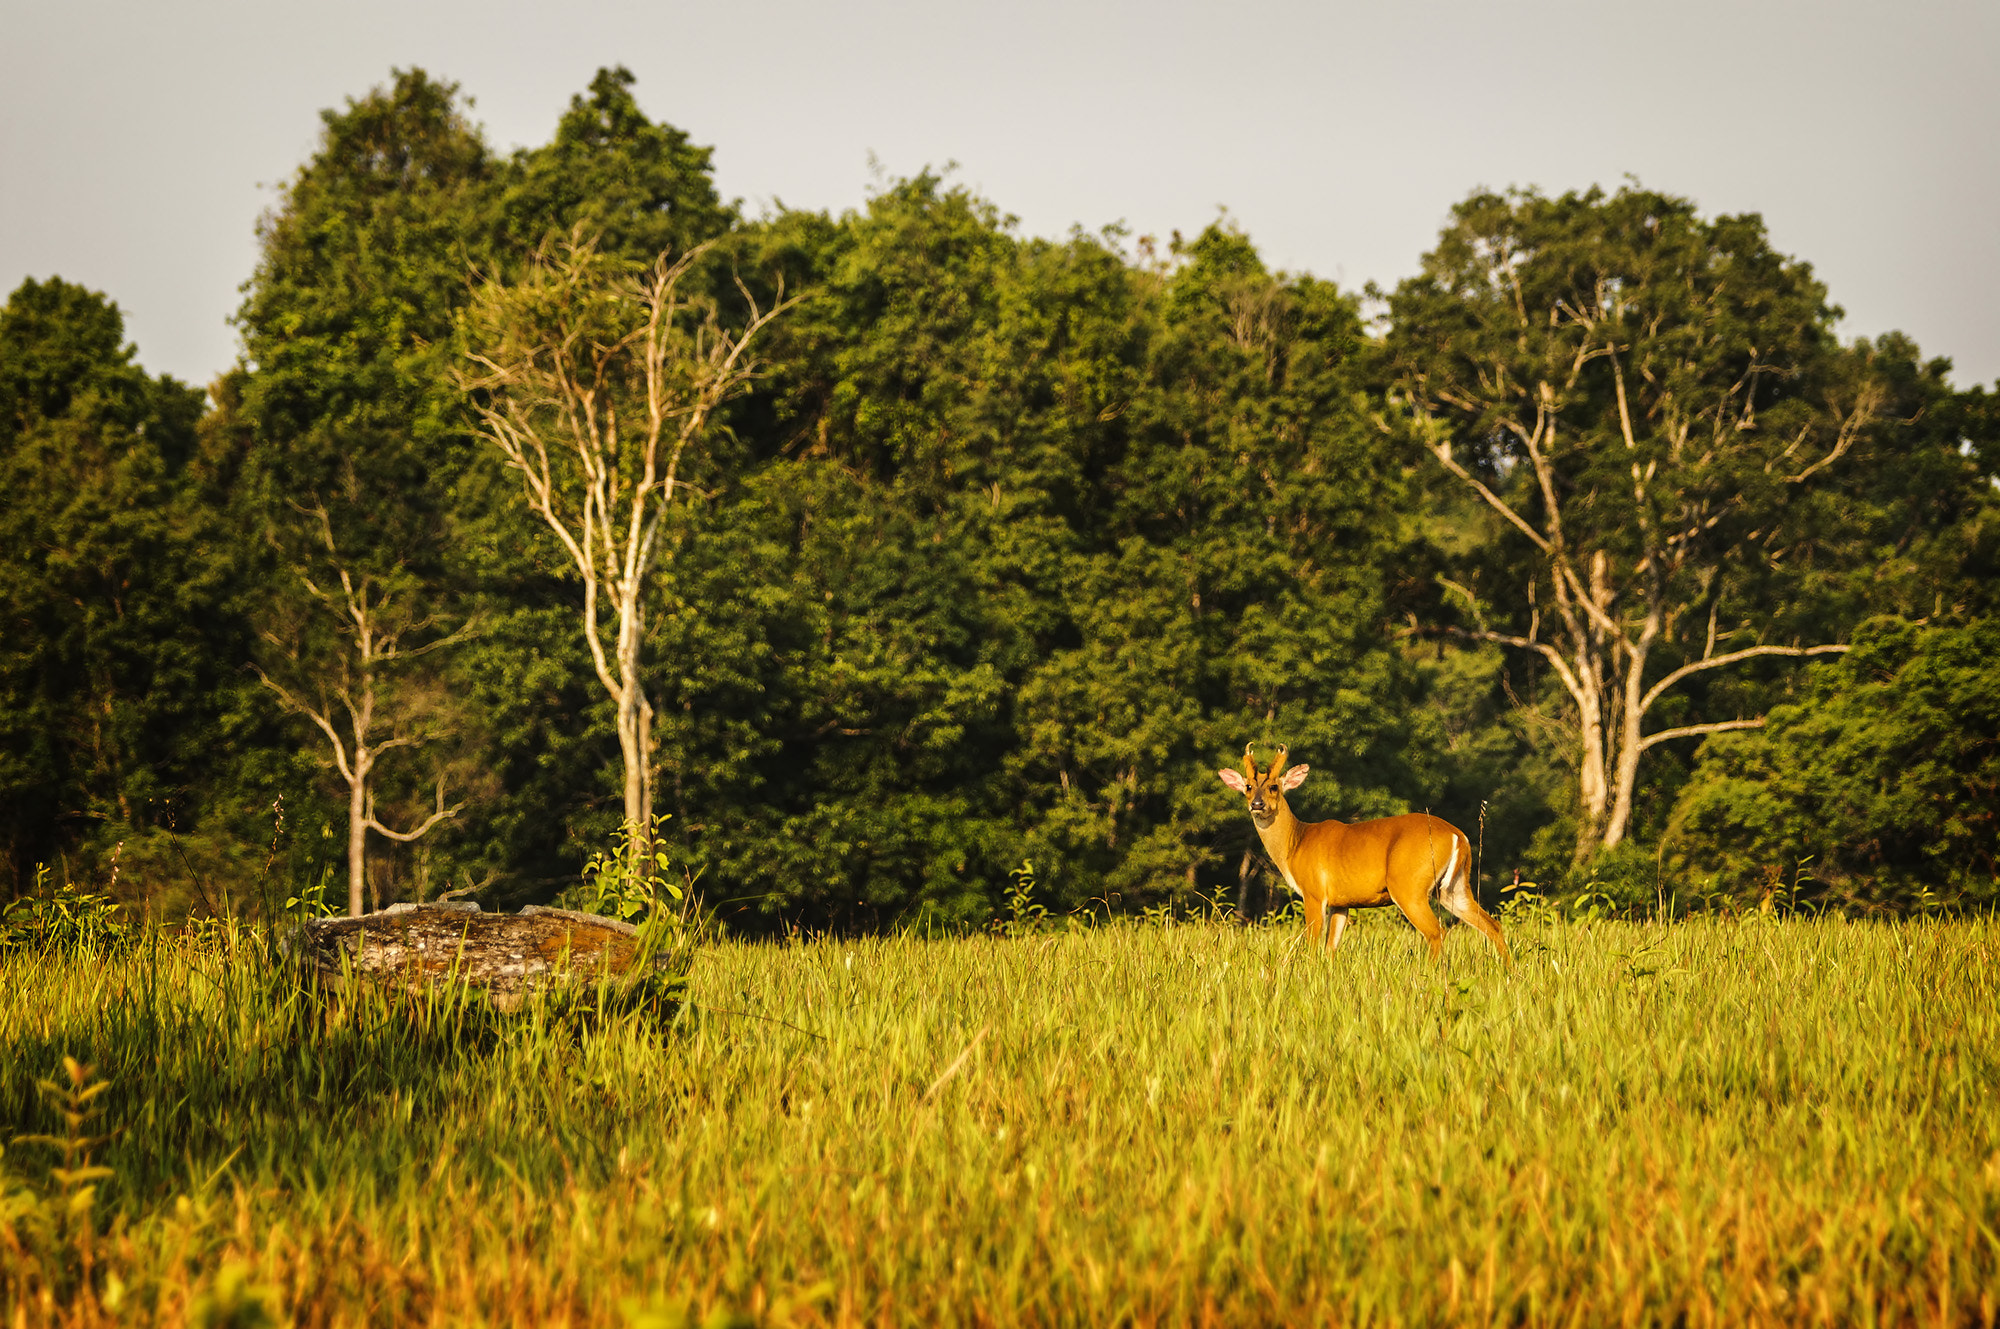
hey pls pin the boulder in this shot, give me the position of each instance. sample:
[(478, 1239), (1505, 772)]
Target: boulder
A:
[(509, 957)]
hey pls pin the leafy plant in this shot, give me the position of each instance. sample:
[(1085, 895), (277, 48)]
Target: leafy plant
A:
[(63, 917), (1883, 776), (1524, 902), (1025, 915), (311, 901), (630, 880), (66, 1218)]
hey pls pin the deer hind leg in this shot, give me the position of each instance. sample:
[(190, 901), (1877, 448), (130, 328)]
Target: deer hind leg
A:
[(1416, 907), (1455, 894)]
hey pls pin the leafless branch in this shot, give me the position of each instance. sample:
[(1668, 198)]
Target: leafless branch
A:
[(1866, 407), (404, 837), (1690, 730), (1541, 648), (1717, 661), (292, 703), (1442, 451)]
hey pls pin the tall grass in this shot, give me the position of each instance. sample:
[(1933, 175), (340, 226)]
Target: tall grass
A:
[(1703, 1123)]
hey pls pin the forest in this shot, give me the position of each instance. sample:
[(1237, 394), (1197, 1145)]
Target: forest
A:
[(891, 562)]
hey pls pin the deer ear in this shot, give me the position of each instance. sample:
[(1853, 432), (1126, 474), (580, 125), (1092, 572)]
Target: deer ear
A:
[(1296, 777), (1234, 779)]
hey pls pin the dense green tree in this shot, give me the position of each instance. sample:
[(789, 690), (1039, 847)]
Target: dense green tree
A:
[(1229, 587), (997, 577), (1649, 406), (835, 726), (349, 319), (1879, 787), (114, 574), (639, 186), (349, 333), (1907, 524)]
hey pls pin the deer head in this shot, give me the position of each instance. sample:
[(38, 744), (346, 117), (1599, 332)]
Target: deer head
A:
[(1265, 791)]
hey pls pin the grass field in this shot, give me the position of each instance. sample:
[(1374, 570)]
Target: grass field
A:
[(1753, 1122)]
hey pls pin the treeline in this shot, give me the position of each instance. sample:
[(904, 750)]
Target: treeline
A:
[(1005, 545)]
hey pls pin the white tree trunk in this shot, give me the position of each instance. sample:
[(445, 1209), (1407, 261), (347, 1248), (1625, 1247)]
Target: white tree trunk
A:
[(1591, 788), (635, 728), (597, 419), (1631, 713), (363, 611), (357, 846)]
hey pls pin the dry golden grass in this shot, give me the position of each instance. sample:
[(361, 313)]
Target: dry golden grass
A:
[(1704, 1123)]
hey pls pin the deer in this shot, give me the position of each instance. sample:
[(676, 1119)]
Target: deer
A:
[(1335, 866)]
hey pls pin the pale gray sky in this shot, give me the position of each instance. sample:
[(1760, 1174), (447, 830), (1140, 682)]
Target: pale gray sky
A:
[(142, 138)]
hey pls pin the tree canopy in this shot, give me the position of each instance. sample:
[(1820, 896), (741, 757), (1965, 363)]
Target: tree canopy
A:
[(994, 549), (1684, 472), (115, 579)]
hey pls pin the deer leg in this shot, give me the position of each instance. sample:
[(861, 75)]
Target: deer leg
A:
[(1418, 911), (1457, 896), (1339, 928)]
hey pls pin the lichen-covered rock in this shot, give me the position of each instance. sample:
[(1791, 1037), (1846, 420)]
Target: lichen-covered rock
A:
[(508, 956)]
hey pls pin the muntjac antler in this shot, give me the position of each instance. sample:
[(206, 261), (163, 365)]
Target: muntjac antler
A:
[(1250, 760)]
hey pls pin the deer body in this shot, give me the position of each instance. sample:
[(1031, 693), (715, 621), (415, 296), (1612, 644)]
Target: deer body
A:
[(1335, 866)]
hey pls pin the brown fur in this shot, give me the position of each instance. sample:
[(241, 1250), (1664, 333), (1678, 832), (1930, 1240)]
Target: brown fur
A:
[(1337, 866)]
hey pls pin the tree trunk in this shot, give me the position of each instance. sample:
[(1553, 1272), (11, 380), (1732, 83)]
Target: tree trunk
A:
[(1625, 777), (635, 721), (357, 784), (1591, 785), (357, 835), (631, 749), (1243, 888)]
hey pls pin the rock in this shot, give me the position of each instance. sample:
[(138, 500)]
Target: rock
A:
[(508, 956)]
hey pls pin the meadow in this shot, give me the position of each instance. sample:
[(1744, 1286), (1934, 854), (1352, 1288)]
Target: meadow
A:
[(1708, 1122)]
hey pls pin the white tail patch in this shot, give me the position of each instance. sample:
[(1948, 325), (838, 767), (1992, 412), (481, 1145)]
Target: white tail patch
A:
[(1450, 867)]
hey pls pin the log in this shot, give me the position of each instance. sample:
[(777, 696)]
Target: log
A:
[(509, 957)]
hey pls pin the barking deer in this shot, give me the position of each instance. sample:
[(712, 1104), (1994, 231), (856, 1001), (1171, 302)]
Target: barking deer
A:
[(1336, 866)]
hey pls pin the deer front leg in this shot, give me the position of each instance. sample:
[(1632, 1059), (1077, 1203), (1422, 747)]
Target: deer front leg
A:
[(1339, 928)]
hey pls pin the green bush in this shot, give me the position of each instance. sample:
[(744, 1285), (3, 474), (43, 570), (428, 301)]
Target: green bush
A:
[(1880, 788), (64, 917)]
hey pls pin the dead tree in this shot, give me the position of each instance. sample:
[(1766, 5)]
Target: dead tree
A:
[(599, 386), (351, 689), (1640, 396)]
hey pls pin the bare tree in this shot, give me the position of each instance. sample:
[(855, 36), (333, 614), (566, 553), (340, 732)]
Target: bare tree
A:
[(353, 692), (1640, 397), (599, 386)]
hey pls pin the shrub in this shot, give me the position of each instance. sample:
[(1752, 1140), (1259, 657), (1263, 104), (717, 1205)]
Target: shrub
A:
[(1885, 777)]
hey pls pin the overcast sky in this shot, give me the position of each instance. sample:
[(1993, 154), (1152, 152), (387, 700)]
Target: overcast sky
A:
[(142, 138)]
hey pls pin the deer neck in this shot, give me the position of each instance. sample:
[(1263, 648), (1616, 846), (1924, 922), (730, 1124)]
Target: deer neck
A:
[(1281, 836)]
